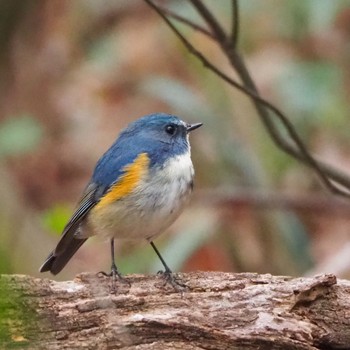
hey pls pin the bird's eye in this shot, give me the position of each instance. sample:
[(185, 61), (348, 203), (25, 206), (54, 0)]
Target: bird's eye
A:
[(170, 129)]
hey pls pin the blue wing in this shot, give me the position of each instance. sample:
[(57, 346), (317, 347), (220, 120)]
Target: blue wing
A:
[(123, 152)]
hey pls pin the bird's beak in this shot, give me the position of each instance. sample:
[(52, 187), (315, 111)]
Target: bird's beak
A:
[(190, 127)]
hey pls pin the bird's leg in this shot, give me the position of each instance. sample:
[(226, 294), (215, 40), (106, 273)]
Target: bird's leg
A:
[(168, 274), (114, 270), (166, 267)]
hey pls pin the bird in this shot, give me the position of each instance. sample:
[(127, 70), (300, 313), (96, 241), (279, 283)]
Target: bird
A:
[(138, 188)]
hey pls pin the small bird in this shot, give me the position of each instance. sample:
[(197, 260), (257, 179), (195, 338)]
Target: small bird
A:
[(137, 190)]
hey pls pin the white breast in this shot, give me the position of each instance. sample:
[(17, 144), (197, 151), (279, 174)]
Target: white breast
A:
[(155, 204), (178, 169)]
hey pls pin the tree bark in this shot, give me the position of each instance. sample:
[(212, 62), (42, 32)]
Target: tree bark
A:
[(216, 311)]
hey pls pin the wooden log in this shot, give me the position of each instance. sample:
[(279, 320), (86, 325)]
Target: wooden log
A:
[(216, 311)]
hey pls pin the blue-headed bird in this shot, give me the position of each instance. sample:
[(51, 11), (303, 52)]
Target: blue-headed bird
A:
[(137, 190)]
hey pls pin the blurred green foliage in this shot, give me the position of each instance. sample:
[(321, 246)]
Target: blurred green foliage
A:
[(5, 259), (19, 135), (55, 219), (309, 92)]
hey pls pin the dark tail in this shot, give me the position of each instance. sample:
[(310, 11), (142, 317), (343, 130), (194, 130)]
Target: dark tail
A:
[(70, 240), (57, 260)]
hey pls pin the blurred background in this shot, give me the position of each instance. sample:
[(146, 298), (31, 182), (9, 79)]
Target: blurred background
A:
[(74, 73)]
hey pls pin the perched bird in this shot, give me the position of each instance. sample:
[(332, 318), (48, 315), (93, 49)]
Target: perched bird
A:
[(138, 188)]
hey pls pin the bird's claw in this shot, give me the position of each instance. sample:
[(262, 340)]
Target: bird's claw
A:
[(115, 275), (171, 278)]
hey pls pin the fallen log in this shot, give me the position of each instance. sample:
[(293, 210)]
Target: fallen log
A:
[(216, 311)]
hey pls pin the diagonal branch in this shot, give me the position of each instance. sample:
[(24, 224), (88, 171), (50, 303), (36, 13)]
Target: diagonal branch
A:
[(217, 30), (238, 64), (300, 152)]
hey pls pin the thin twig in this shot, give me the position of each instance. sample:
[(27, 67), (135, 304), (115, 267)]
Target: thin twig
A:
[(184, 20)]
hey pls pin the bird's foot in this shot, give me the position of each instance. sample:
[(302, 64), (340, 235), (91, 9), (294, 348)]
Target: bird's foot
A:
[(115, 274), (171, 278)]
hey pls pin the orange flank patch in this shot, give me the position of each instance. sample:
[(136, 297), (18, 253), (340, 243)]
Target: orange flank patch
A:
[(127, 182)]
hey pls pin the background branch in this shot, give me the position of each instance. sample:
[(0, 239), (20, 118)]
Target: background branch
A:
[(312, 204), (326, 173)]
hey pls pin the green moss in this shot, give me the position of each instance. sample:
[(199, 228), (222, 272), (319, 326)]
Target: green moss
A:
[(18, 317)]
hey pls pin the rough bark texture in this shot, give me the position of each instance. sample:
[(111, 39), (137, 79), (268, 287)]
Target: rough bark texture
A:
[(218, 311)]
